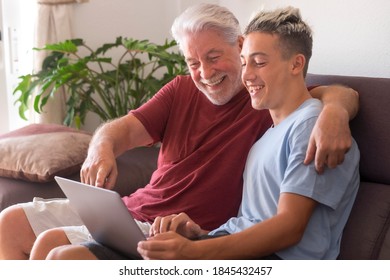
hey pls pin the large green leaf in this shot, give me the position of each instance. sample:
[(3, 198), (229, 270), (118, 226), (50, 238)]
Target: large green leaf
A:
[(68, 46), (98, 83)]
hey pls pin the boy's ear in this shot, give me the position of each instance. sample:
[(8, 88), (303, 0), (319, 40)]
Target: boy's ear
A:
[(298, 63)]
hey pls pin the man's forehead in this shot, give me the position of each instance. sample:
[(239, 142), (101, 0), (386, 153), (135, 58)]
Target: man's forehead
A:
[(193, 48), (194, 55)]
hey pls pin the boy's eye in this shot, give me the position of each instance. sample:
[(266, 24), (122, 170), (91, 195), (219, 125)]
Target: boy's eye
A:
[(260, 63)]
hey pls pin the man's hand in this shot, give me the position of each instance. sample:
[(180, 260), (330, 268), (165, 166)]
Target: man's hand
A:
[(330, 139), (109, 141), (99, 169)]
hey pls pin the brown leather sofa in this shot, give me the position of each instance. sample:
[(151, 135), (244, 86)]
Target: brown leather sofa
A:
[(366, 235)]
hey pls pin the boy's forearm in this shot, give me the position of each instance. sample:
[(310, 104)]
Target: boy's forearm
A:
[(260, 240)]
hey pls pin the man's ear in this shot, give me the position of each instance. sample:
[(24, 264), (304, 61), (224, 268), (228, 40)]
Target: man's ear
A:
[(298, 63), (240, 41)]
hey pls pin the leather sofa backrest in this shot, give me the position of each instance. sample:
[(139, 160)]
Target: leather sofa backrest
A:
[(371, 126)]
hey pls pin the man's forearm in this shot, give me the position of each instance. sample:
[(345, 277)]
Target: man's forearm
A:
[(338, 95), (104, 138), (121, 134)]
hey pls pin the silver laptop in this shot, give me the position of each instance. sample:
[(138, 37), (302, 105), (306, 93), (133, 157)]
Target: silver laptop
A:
[(105, 215)]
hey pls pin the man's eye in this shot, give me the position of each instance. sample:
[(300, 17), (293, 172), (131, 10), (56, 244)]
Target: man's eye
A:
[(193, 65)]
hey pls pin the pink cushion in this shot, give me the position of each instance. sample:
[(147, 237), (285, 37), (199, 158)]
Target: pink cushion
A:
[(38, 152)]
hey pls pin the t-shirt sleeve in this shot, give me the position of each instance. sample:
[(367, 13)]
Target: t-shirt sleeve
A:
[(154, 114), (327, 188)]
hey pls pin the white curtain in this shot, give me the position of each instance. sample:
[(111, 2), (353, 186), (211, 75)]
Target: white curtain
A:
[(53, 25)]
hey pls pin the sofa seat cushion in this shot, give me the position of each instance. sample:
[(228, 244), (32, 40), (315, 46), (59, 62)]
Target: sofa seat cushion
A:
[(367, 230), (384, 252)]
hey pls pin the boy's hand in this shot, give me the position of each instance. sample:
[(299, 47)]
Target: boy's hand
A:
[(180, 223)]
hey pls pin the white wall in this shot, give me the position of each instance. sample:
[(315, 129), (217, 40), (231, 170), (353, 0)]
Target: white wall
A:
[(351, 37), (101, 21)]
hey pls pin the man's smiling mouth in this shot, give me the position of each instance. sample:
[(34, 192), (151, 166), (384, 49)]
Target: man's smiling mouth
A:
[(213, 82)]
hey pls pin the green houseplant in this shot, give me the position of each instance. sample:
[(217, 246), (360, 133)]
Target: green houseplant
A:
[(94, 82)]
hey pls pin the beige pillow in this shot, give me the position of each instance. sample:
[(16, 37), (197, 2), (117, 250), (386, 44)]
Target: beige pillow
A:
[(44, 154)]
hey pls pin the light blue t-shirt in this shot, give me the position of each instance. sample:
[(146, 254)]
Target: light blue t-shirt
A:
[(275, 165)]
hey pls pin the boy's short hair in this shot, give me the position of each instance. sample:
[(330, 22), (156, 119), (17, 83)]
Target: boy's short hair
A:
[(294, 34)]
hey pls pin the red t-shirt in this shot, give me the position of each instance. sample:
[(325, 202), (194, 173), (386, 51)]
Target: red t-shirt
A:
[(202, 157)]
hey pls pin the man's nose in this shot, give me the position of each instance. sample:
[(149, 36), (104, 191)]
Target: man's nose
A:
[(206, 71)]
